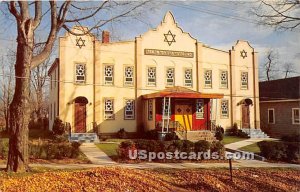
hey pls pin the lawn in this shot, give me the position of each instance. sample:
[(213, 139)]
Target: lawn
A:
[(183, 180), (109, 148), (232, 139), (251, 148)]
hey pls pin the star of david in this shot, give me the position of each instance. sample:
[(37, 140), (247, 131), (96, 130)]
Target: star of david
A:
[(169, 38), (243, 54), (80, 42)]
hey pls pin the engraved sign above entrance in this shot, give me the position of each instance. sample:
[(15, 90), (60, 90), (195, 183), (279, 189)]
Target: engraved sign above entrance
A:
[(169, 53)]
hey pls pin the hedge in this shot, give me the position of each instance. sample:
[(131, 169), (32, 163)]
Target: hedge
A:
[(280, 150)]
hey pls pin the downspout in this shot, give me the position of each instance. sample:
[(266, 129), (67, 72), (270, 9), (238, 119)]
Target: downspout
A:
[(135, 85), (94, 86), (254, 87), (231, 100), (197, 68)]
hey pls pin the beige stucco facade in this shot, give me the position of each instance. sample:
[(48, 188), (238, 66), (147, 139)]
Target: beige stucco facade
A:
[(167, 46)]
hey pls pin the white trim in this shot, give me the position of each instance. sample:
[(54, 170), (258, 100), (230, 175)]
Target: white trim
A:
[(271, 109), (293, 118)]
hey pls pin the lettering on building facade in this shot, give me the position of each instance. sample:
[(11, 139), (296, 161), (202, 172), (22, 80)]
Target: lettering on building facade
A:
[(169, 53)]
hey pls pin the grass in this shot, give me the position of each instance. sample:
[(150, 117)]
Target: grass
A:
[(110, 149), (251, 148), (232, 139)]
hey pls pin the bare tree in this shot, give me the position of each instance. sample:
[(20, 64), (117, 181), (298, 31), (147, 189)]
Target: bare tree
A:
[(287, 69), (270, 64), (28, 16), (7, 84), (38, 82), (280, 14)]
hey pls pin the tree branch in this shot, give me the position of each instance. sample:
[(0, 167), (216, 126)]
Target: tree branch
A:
[(44, 54), (38, 14)]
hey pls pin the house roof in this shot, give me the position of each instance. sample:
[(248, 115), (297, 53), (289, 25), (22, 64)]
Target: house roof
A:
[(53, 66), (181, 92), (280, 89)]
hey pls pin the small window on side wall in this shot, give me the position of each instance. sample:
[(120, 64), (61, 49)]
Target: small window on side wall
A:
[(109, 74), (224, 109), (109, 109), (128, 76), (80, 73), (271, 116), (296, 115), (129, 109)]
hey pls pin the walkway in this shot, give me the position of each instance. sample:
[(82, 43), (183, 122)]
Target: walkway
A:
[(95, 155), (239, 144)]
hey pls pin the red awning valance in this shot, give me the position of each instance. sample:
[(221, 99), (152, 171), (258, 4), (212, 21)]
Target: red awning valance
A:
[(182, 92)]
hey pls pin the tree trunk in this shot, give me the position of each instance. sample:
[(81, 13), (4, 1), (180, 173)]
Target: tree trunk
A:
[(19, 108)]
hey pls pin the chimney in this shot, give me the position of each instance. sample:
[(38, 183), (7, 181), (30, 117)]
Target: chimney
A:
[(105, 36)]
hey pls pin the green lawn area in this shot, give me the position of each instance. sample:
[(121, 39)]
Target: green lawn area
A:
[(232, 139), (109, 148), (116, 140), (251, 148)]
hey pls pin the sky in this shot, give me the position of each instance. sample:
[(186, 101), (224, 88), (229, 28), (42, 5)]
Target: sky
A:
[(218, 24)]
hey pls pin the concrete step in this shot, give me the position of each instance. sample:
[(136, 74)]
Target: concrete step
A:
[(255, 133), (84, 137)]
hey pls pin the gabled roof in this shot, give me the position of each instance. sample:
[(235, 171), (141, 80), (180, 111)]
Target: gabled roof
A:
[(181, 92), (53, 66), (280, 89)]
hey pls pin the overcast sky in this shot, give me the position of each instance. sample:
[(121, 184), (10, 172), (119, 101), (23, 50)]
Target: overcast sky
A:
[(218, 24)]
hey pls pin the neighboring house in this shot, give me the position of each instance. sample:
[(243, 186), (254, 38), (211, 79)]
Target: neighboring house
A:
[(164, 79), (280, 106)]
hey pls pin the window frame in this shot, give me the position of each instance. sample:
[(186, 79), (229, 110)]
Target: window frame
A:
[(293, 116), (166, 80), (208, 86), (244, 87), (133, 110), (109, 83), (76, 80), (221, 84), (185, 84), (222, 116), (200, 115), (151, 84), (271, 109), (112, 111), (128, 83)]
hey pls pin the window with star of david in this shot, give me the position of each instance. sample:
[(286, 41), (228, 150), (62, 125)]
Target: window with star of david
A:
[(128, 75), (151, 76), (208, 78), (199, 109), (224, 109), (188, 77), (108, 74), (224, 79), (170, 77), (129, 109), (109, 109), (80, 73), (244, 80)]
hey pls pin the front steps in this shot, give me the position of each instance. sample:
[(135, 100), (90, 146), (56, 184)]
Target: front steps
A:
[(255, 133), (196, 135), (84, 137)]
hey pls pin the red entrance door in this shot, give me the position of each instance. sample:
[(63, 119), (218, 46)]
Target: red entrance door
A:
[(245, 116), (80, 117)]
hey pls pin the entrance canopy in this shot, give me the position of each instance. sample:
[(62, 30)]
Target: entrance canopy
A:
[(246, 101), (182, 92)]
